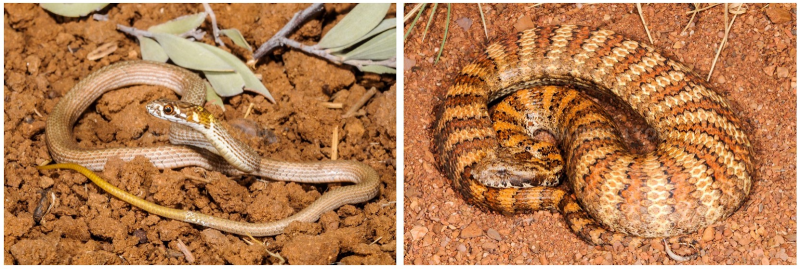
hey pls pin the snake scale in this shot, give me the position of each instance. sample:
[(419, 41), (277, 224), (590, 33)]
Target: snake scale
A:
[(231, 157), (699, 173)]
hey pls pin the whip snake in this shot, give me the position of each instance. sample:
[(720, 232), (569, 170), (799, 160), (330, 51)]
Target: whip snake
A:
[(64, 149), (699, 173)]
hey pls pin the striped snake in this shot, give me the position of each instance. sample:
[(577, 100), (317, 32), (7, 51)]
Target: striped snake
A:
[(699, 173), (236, 158)]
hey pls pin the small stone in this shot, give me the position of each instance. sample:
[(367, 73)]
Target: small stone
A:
[(418, 232), (492, 233), (708, 234), (779, 240), (769, 70), (778, 15), (489, 246), (606, 17), (782, 255), (462, 248), (782, 72), (408, 64), (721, 79), (471, 231), (524, 23), (464, 23)]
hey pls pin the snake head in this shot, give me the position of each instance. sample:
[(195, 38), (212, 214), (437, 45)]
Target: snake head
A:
[(181, 112)]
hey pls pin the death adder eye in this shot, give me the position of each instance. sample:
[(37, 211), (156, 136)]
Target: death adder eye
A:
[(169, 110)]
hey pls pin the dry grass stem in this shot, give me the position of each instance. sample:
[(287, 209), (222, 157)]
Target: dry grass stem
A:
[(739, 10), (335, 143), (639, 8), (483, 20), (701, 9), (186, 252), (332, 105), (411, 13), (249, 108), (696, 6), (363, 100)]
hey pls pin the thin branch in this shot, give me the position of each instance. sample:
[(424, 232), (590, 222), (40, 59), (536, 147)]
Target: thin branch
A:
[(309, 49), (133, 31), (214, 27), (322, 53), (282, 35)]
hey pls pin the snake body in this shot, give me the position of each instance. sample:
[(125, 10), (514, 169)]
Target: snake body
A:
[(64, 149), (699, 173)]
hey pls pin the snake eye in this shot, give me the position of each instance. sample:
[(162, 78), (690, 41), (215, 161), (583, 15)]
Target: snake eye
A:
[(168, 110)]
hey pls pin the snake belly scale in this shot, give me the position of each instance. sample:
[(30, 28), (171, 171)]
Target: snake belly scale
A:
[(699, 173), (64, 149)]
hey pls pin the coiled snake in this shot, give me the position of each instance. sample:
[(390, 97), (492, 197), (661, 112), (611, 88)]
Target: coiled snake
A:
[(237, 158), (699, 173)]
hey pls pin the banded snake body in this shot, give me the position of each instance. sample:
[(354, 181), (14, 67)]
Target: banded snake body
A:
[(699, 173), (243, 159)]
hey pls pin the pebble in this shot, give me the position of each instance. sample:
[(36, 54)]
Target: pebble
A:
[(408, 63), (524, 23), (462, 248), (418, 232), (465, 23), (778, 15), (471, 231), (492, 233), (782, 72), (708, 234)]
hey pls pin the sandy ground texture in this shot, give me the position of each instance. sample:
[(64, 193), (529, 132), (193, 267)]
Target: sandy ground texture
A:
[(756, 72), (45, 55)]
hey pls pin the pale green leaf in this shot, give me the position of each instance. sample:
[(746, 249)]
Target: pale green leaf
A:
[(212, 97), (179, 25), (383, 26), (237, 38), (225, 83), (380, 69), (191, 54), (360, 21), (73, 9), (251, 82), (151, 50), (380, 47)]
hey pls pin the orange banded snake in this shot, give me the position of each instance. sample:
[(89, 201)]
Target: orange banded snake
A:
[(64, 149), (699, 173)]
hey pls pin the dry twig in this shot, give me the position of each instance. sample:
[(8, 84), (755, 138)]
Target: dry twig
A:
[(363, 100), (639, 8), (214, 27), (186, 252), (335, 143)]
